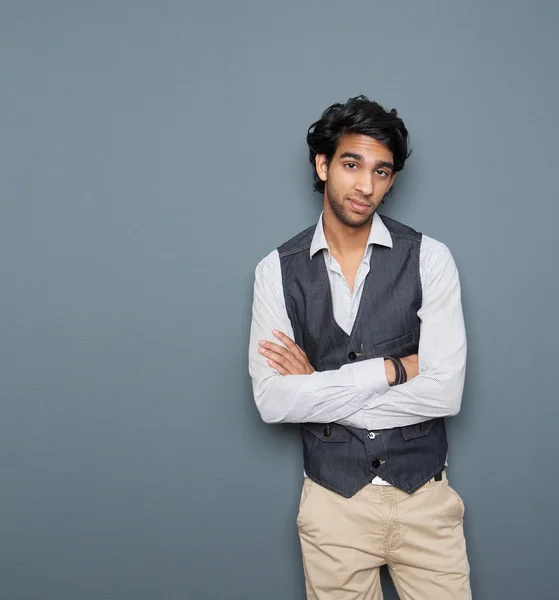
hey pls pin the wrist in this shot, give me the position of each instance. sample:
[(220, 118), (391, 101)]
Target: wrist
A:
[(400, 374), (390, 371)]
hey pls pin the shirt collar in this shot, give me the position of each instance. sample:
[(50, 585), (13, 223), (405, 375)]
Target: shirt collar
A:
[(379, 234)]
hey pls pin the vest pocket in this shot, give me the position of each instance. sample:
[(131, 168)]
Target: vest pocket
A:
[(413, 432), (327, 432), (398, 345)]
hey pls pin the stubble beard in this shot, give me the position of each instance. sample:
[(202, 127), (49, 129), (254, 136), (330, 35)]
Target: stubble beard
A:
[(336, 204)]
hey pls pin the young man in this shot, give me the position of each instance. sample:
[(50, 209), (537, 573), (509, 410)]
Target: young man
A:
[(358, 334)]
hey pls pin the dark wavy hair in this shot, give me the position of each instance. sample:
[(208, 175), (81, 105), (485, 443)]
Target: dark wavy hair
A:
[(362, 116)]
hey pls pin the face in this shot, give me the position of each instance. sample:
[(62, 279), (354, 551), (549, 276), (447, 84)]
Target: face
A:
[(359, 176)]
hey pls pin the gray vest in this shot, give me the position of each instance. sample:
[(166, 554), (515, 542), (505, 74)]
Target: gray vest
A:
[(344, 459)]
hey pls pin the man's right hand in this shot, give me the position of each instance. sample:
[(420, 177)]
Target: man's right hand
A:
[(410, 363)]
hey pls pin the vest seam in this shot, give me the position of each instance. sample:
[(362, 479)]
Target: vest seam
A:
[(407, 236), (294, 251), (418, 274)]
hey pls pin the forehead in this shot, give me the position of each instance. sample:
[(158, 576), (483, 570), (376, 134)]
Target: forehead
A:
[(364, 145)]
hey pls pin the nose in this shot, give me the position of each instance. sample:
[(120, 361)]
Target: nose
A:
[(364, 184)]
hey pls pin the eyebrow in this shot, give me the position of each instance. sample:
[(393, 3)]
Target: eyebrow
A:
[(352, 155), (381, 163)]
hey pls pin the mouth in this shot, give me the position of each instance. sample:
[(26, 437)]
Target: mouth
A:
[(358, 206)]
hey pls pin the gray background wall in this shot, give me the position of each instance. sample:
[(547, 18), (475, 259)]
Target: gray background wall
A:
[(151, 153)]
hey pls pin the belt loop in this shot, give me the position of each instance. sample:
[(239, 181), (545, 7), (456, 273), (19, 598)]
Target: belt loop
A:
[(439, 475)]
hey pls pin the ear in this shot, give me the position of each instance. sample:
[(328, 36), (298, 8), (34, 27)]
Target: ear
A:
[(321, 165)]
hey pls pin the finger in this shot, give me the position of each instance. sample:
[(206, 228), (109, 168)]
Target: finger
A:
[(278, 367), (274, 347), (288, 367), (282, 356), (281, 350), (298, 361), (297, 357), (289, 343), (295, 362)]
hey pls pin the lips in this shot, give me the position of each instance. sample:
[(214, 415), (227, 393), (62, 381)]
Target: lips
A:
[(358, 206)]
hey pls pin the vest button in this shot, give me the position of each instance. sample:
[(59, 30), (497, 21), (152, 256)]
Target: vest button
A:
[(376, 464), (352, 356), (327, 431)]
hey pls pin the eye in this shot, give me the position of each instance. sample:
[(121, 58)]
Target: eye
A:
[(382, 173), (350, 165)]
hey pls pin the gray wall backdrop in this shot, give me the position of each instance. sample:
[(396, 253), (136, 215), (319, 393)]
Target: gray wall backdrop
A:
[(151, 154)]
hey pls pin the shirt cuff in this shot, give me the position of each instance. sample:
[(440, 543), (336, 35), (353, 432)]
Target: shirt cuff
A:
[(369, 379)]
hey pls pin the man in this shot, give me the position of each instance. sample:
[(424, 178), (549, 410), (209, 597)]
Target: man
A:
[(358, 334)]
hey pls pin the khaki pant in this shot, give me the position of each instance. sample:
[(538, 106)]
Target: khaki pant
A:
[(419, 536)]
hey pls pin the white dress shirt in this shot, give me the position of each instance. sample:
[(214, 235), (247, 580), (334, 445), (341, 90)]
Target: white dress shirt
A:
[(358, 394)]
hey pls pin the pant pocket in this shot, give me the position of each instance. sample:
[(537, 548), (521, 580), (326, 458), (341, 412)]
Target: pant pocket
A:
[(307, 484), (458, 500)]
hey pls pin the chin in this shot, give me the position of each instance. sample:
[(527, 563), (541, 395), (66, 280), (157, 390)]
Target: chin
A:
[(364, 222), (358, 221)]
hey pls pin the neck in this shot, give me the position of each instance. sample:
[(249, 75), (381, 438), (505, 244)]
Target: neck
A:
[(343, 239)]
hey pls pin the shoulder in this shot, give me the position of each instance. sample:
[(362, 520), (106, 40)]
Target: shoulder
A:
[(434, 250), (269, 271), (436, 260), (268, 279), (399, 230), (298, 243), (268, 266)]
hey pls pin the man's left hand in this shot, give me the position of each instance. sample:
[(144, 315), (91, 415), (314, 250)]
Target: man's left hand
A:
[(288, 359)]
